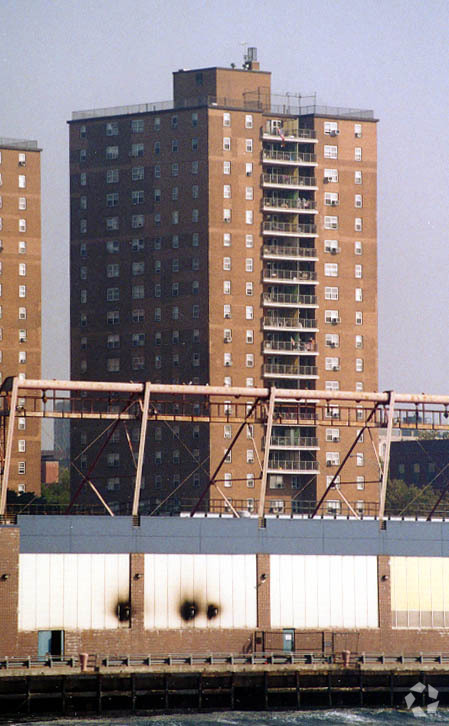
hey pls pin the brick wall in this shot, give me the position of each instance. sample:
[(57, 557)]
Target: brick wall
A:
[(9, 588)]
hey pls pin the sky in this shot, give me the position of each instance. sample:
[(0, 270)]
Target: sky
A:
[(57, 56)]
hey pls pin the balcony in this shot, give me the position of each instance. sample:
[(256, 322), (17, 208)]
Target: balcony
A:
[(292, 252), (293, 466), (290, 230), (289, 276), (298, 206), (289, 298), (290, 133), (290, 346), (280, 181), (288, 158), (277, 322), (279, 370), (293, 442)]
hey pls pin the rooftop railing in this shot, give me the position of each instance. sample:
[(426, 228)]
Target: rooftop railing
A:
[(289, 180), (26, 144), (289, 251)]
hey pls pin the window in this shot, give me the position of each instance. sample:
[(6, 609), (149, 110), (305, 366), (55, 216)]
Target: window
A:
[(137, 245), (175, 241), (138, 340), (137, 196), (358, 153), (175, 289), (249, 193), (226, 167), (331, 316), (137, 221), (83, 296), (358, 131), (113, 317), (249, 216), (331, 175), (358, 224), (112, 224), (249, 288), (332, 340), (196, 335), (21, 467), (175, 312), (359, 341), (23, 225), (330, 222), (249, 312), (226, 119), (195, 144), (22, 247), (195, 215), (175, 145), (112, 152), (175, 264), (113, 365), (331, 293), (113, 270), (331, 128), (333, 435), (83, 249), (137, 292), (22, 269), (226, 263), (157, 290), (112, 199), (137, 150), (194, 119), (358, 200), (250, 336), (228, 479), (331, 269), (112, 294), (360, 458), (227, 215), (227, 191), (195, 263), (227, 314), (331, 199), (330, 152), (21, 423), (358, 271), (360, 482), (226, 143), (357, 177), (195, 239), (248, 145), (157, 171), (195, 191), (227, 239), (22, 313), (22, 203), (359, 387), (23, 181), (332, 364), (22, 291), (83, 202), (358, 294), (358, 248), (227, 431), (227, 335), (249, 264), (138, 268), (332, 458), (249, 360), (227, 359), (226, 287), (359, 365), (248, 121), (194, 167), (359, 318), (22, 356), (249, 240), (112, 128)]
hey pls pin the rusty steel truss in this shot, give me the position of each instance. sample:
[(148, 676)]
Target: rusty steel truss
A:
[(148, 402)]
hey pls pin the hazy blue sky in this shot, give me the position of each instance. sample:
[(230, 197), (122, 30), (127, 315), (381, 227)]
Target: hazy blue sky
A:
[(391, 55)]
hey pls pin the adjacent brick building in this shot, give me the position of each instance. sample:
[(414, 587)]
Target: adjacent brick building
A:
[(20, 294), (225, 239)]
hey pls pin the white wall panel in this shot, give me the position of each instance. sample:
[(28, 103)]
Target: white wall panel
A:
[(71, 591), (420, 592), (321, 591), (225, 581)]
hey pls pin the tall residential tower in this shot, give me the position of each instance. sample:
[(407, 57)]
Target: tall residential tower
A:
[(20, 294), (228, 238)]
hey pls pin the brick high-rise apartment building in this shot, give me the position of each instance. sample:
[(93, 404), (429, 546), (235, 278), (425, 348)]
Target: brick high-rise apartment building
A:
[(20, 294), (221, 239)]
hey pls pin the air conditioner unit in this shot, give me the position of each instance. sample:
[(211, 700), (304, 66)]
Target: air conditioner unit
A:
[(332, 345), (227, 221), (333, 250), (227, 339), (228, 363), (334, 321), (335, 368), (329, 462), (334, 202), (334, 132), (228, 316), (335, 438)]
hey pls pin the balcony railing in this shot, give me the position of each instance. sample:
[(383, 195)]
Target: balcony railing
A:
[(274, 321), (288, 298), (288, 251), (293, 204), (304, 441), (288, 157), (288, 228), (289, 346), (289, 131), (289, 180), (292, 275), (292, 465), (279, 369)]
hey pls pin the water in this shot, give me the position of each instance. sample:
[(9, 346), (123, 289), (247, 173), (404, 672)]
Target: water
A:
[(341, 717)]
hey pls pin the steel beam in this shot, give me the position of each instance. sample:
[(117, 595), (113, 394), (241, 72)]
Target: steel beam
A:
[(9, 443), (143, 436), (266, 456), (386, 466)]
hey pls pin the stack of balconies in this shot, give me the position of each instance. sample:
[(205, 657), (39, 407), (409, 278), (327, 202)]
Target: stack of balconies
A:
[(289, 289)]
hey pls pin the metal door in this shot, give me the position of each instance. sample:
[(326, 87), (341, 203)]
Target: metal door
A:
[(288, 640), (43, 643)]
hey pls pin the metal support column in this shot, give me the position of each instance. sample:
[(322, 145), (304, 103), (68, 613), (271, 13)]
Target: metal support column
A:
[(143, 436), (263, 484), (386, 468)]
